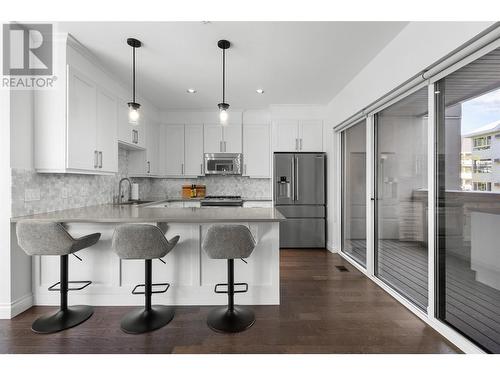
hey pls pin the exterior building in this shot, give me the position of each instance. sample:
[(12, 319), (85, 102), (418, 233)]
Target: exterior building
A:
[(482, 163)]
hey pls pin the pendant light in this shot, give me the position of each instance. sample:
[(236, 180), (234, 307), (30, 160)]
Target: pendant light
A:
[(223, 107), (133, 106)]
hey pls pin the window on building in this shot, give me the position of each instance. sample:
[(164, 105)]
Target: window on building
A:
[(482, 166), (482, 186), (482, 143)]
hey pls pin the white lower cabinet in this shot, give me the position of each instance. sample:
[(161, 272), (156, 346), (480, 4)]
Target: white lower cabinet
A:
[(258, 204), (182, 150), (257, 150)]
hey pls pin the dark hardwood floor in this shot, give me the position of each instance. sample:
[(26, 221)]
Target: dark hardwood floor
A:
[(323, 310)]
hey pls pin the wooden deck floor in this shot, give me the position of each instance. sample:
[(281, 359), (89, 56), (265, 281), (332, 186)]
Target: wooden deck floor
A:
[(471, 306), (323, 310)]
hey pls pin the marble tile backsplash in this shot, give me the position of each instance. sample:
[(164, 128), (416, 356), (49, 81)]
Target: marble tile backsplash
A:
[(34, 193), (257, 188)]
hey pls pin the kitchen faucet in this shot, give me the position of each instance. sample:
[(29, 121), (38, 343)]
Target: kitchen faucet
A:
[(120, 194)]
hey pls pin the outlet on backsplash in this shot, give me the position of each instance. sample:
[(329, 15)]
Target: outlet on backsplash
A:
[(31, 195)]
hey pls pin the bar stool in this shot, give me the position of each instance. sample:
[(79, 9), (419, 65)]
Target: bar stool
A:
[(47, 238), (148, 242), (229, 242)]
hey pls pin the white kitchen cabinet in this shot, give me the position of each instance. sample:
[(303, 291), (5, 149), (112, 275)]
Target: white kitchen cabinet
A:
[(173, 144), (257, 150), (258, 204), (311, 136), (286, 135), (130, 136), (144, 163), (91, 126), (107, 118), (182, 150), (298, 135), (81, 125), (218, 138), (193, 150)]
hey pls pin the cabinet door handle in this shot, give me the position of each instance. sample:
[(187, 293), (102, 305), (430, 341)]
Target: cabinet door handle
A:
[(220, 146), (137, 136), (296, 144), (300, 143), (149, 167), (95, 159), (225, 146), (201, 169), (100, 159), (244, 169), (182, 168)]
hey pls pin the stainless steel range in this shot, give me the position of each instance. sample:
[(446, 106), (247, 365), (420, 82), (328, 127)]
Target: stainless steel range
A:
[(222, 201)]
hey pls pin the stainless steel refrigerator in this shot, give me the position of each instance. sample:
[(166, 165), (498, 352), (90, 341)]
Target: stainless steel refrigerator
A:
[(300, 195)]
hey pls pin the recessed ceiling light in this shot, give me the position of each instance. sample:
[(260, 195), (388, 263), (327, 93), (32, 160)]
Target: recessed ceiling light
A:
[(191, 91), (260, 91)]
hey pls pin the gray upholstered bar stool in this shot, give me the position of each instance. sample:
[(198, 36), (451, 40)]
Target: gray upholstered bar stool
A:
[(148, 242), (46, 238), (229, 242)]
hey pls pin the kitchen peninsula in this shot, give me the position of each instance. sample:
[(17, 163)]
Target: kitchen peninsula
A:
[(188, 269)]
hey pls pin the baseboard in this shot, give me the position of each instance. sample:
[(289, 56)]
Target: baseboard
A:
[(330, 248), (8, 311)]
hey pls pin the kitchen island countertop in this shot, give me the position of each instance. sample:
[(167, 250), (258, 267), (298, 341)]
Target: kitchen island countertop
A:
[(109, 213)]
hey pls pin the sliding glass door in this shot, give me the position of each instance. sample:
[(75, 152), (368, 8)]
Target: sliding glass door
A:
[(468, 200), (401, 251), (354, 192)]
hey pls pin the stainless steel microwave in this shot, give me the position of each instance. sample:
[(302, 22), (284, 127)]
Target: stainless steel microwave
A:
[(223, 164)]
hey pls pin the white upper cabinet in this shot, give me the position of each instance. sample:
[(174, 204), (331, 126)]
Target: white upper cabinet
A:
[(212, 142), (257, 150), (81, 123), (76, 121), (218, 138), (298, 135), (107, 118), (232, 138), (193, 150), (182, 150), (130, 136), (311, 136), (286, 135), (146, 162), (173, 154)]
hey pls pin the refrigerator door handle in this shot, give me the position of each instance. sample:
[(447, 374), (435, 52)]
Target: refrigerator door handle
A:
[(293, 178), (296, 178)]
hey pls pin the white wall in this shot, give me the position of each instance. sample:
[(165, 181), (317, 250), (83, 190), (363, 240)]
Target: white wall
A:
[(417, 46)]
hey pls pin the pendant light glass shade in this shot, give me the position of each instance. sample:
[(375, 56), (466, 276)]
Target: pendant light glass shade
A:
[(133, 106), (223, 107), (133, 114)]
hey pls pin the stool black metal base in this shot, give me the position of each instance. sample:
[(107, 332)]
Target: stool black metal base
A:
[(224, 320), (147, 318), (63, 319), (141, 320)]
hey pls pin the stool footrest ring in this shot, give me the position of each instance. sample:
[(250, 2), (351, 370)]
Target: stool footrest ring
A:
[(216, 290), (165, 285), (53, 288)]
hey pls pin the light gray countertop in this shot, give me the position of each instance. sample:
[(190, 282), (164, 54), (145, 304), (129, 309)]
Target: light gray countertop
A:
[(109, 213)]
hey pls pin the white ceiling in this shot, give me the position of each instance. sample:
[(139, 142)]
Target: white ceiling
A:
[(294, 62)]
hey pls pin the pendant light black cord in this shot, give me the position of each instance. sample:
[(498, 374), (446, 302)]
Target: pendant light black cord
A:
[(223, 76), (133, 74)]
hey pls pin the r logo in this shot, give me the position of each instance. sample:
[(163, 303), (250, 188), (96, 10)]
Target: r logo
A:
[(27, 49)]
